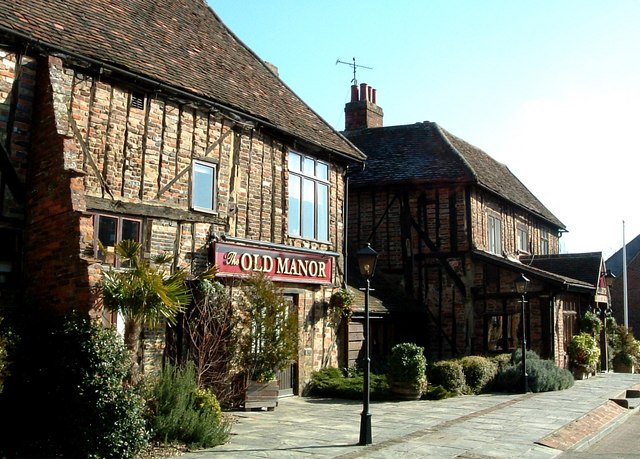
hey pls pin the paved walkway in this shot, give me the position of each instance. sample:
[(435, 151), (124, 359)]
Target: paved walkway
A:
[(484, 426)]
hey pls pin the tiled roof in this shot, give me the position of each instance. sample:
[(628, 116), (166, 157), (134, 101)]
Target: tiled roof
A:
[(615, 263), (181, 43), (582, 266), (539, 271), (424, 152)]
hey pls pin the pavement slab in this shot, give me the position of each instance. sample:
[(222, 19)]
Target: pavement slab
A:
[(475, 427)]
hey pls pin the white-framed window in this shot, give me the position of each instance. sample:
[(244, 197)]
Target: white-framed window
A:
[(544, 242), (308, 197), (109, 231), (494, 230), (203, 186), (522, 238)]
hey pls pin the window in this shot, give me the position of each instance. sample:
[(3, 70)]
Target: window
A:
[(523, 239), (544, 242), (308, 197), (203, 190), (495, 234), (109, 231), (503, 332)]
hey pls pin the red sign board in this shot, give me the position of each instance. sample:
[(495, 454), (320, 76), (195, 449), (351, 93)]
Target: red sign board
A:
[(235, 260)]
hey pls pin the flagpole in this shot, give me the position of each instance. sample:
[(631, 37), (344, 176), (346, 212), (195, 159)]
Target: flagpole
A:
[(624, 278)]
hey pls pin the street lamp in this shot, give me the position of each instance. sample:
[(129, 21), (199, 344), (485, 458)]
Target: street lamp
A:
[(367, 258), (522, 284), (609, 277)]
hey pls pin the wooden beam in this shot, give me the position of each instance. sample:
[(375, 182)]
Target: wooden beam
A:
[(96, 204)]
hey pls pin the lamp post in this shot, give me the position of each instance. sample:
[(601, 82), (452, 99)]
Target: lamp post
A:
[(367, 258), (522, 284), (609, 277)]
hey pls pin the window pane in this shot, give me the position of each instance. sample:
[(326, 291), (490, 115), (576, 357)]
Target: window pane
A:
[(308, 167), (323, 212), (322, 171), (107, 227), (294, 162), (203, 177), (308, 208), (294, 205), (130, 230)]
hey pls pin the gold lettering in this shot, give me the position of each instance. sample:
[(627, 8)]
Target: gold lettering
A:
[(282, 266), (267, 263), (322, 271), (231, 259), (293, 268), (246, 262), (313, 268), (302, 267)]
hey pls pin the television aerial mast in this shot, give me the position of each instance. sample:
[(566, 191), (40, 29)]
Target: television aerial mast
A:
[(355, 66)]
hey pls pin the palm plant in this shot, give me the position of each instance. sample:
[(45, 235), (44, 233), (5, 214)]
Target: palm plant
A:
[(144, 292)]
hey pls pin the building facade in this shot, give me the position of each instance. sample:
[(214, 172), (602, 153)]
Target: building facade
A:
[(455, 229), (152, 122)]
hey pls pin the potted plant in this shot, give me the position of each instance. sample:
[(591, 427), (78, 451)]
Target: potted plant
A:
[(627, 351), (583, 355), (590, 323), (269, 340), (340, 305), (407, 366)]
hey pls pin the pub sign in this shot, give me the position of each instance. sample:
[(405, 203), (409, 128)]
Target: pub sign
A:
[(235, 260)]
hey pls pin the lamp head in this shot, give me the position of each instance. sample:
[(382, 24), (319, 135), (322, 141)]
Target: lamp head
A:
[(367, 258), (609, 277), (521, 284)]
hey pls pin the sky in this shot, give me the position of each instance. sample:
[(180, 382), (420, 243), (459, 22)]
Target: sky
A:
[(551, 88)]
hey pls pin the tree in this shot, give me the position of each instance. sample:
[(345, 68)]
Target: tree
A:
[(143, 292)]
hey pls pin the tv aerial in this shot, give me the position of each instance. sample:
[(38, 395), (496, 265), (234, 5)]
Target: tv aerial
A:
[(354, 66)]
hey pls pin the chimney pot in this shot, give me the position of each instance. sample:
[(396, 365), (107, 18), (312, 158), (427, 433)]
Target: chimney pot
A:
[(363, 91), (374, 96), (354, 93)]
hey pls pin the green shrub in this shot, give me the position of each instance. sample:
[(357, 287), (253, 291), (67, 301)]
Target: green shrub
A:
[(331, 382), (502, 360), (66, 395), (516, 356), (626, 349), (407, 364), (543, 376), (478, 372), (590, 323), (183, 413), (448, 374), (5, 338), (206, 400), (583, 351)]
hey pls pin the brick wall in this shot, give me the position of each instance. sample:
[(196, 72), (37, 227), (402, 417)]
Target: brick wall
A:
[(96, 151), (483, 204)]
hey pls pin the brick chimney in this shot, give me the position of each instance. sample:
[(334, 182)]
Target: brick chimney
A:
[(362, 111)]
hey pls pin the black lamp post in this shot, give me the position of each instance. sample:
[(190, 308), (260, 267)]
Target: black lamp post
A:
[(522, 284), (367, 258), (609, 277)]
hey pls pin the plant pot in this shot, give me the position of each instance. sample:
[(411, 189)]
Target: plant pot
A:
[(580, 372), (621, 367), (261, 395), (405, 391)]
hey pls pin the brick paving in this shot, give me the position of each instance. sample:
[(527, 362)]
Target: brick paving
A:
[(584, 427)]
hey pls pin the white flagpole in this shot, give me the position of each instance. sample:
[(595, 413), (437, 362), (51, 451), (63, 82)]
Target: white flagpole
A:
[(624, 278)]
